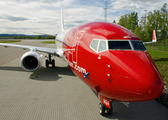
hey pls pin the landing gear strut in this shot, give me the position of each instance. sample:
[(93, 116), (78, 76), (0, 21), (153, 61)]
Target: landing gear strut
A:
[(50, 61), (105, 110)]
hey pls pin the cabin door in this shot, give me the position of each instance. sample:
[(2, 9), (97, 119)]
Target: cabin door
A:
[(75, 46)]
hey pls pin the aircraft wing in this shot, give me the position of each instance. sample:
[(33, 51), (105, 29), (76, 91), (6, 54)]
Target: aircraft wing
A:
[(148, 42), (56, 52)]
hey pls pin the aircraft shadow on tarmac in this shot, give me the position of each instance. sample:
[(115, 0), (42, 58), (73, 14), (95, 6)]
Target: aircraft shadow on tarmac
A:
[(7, 68), (150, 110), (137, 110), (43, 74), (51, 74)]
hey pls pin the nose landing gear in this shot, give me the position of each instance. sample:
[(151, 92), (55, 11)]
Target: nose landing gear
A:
[(105, 110), (50, 61), (105, 107)]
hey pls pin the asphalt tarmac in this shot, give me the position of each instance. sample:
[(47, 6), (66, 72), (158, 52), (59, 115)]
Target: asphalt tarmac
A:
[(57, 94)]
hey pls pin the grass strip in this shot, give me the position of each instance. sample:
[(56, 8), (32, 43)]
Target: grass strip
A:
[(48, 42), (161, 60), (9, 41)]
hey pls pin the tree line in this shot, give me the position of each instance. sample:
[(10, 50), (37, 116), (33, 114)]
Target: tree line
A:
[(143, 28), (28, 37)]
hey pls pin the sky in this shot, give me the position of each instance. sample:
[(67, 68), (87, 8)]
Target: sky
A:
[(43, 16)]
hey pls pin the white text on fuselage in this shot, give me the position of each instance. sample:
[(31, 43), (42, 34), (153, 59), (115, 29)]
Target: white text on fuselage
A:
[(76, 67), (106, 102)]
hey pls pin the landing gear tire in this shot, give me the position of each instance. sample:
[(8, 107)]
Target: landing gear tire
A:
[(47, 63), (110, 111), (53, 63), (50, 61), (102, 109)]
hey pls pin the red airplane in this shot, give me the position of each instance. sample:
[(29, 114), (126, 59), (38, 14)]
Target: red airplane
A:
[(110, 59)]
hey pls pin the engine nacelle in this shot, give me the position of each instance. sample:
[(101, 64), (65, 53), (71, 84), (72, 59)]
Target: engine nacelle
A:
[(31, 61)]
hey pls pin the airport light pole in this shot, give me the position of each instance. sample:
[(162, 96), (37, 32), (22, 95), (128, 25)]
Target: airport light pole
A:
[(145, 16), (105, 9)]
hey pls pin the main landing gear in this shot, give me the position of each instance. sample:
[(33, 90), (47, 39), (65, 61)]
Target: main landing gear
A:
[(105, 110), (50, 61)]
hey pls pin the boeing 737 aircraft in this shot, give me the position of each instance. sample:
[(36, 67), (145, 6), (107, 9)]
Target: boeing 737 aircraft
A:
[(110, 59)]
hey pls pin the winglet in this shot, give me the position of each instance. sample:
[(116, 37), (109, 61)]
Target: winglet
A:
[(154, 36), (62, 21), (154, 39)]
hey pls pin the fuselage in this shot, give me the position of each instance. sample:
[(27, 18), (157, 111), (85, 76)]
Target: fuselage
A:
[(112, 61)]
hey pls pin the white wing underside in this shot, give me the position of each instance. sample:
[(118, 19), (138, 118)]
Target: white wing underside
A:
[(56, 52)]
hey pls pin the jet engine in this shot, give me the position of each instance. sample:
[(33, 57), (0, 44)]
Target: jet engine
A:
[(31, 61)]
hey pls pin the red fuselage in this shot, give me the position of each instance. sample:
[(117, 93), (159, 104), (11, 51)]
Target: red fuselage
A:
[(123, 73)]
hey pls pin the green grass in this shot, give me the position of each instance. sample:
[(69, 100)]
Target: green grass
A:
[(159, 47), (48, 42), (161, 60), (9, 41)]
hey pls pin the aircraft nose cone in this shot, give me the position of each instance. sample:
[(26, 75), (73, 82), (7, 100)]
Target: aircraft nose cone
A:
[(138, 76)]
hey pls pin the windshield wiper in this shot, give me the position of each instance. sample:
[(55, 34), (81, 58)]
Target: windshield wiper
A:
[(119, 49)]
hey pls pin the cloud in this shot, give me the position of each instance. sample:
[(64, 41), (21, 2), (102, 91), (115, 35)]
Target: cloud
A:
[(126, 5), (13, 18), (122, 7), (119, 5), (44, 15), (143, 1)]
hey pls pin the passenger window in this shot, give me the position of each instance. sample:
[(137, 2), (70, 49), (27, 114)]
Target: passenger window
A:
[(94, 44), (102, 46)]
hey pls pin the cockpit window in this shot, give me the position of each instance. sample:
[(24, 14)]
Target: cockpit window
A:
[(102, 46), (94, 44), (138, 45), (99, 45), (121, 45)]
